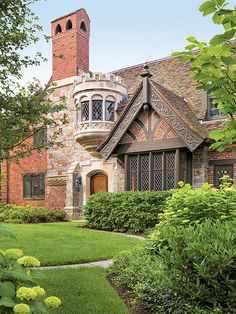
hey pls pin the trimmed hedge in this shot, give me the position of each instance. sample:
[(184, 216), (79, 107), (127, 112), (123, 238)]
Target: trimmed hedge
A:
[(125, 211), (29, 214)]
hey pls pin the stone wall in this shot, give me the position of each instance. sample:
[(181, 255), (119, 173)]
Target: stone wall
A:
[(199, 166)]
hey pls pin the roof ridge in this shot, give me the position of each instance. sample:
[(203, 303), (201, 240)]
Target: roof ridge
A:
[(142, 64)]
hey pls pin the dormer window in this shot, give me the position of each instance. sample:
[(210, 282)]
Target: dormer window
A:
[(69, 25), (213, 111), (58, 29)]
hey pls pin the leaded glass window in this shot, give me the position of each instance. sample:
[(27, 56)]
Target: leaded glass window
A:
[(40, 136), (144, 172), (133, 173), (110, 108), (96, 110), (220, 171), (153, 171), (157, 171), (170, 170), (84, 111), (34, 185)]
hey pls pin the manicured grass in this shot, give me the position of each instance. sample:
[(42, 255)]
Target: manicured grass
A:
[(63, 243), (82, 291)]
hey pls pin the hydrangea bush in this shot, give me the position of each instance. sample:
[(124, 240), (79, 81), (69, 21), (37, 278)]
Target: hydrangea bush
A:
[(19, 292)]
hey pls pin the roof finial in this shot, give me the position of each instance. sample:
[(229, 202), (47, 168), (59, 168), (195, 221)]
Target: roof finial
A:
[(145, 72)]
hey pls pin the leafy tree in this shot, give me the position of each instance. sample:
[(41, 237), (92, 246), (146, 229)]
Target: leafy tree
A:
[(214, 67), (23, 110)]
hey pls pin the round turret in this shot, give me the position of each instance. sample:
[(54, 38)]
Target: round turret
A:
[(96, 96)]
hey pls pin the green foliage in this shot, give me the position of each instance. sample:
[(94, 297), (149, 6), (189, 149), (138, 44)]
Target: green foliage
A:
[(23, 108), (124, 211), (18, 290), (189, 206), (126, 266), (193, 273), (199, 261), (214, 67), (29, 214), (84, 290), (142, 275)]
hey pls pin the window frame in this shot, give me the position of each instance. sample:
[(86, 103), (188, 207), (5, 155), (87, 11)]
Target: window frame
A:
[(217, 182), (107, 103), (82, 105), (92, 109), (209, 103), (31, 177), (151, 170), (40, 140)]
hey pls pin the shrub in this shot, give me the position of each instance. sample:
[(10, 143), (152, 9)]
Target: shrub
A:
[(19, 292), (124, 211), (190, 206), (141, 275), (194, 272), (29, 214)]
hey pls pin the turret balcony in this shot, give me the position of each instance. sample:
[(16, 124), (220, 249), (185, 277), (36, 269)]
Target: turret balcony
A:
[(96, 97), (90, 134)]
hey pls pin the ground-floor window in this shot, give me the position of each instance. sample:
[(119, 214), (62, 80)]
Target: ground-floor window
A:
[(220, 171), (34, 185), (151, 171), (158, 170)]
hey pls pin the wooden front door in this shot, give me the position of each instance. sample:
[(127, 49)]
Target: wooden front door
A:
[(99, 183)]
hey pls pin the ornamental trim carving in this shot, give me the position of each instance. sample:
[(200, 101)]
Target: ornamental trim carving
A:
[(57, 181), (192, 140), (122, 127)]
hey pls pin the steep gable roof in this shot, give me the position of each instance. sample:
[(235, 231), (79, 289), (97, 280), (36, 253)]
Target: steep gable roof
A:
[(171, 74), (168, 105)]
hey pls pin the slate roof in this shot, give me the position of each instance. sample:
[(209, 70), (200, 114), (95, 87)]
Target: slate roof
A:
[(171, 74), (181, 109)]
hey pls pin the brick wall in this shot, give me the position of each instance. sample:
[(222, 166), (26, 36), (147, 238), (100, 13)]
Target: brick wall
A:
[(72, 44), (214, 155), (12, 182)]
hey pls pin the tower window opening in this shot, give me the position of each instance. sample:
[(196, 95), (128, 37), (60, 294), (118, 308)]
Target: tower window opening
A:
[(110, 109), (69, 25), (58, 29), (83, 27), (97, 110)]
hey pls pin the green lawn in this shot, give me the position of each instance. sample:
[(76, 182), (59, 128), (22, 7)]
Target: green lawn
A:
[(63, 243), (82, 291)]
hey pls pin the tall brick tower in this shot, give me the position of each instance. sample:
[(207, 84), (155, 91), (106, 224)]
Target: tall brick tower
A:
[(70, 40)]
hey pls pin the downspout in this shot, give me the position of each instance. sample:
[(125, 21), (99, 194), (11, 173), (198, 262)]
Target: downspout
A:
[(8, 181)]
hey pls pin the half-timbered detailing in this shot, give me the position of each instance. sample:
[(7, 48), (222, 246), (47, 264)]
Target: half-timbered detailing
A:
[(148, 126), (170, 120), (191, 138)]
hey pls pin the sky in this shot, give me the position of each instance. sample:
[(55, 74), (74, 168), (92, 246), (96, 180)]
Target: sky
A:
[(125, 32)]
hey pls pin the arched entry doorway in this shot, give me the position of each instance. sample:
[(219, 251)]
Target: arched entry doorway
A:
[(99, 183)]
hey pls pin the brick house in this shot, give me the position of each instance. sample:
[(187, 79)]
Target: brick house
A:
[(144, 127)]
